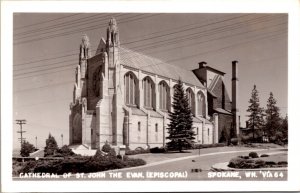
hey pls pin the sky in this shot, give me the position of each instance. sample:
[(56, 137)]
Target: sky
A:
[(46, 48)]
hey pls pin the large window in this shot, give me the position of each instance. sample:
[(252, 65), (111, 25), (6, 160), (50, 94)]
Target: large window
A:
[(130, 89), (148, 87), (191, 98), (201, 104), (163, 96)]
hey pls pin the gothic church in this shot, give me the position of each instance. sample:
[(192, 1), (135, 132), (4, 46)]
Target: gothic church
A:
[(123, 97)]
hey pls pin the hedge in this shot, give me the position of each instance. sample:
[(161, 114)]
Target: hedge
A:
[(81, 164), (201, 146), (246, 163)]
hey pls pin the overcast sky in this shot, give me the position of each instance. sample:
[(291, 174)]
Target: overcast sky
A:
[(46, 48)]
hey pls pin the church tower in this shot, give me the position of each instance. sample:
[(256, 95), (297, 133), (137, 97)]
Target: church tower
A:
[(112, 42), (84, 55), (114, 80)]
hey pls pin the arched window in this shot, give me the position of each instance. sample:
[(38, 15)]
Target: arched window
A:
[(130, 82), (149, 98), (191, 98), (201, 104), (164, 95)]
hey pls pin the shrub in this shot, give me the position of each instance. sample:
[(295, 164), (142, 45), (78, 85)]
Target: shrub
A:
[(157, 150), (51, 146), (138, 150), (234, 141), (200, 146), (282, 163), (48, 166), (270, 163), (264, 155), (106, 147), (244, 163), (236, 163), (99, 154), (244, 157), (260, 162), (26, 149), (28, 167), (112, 153), (65, 151), (253, 155)]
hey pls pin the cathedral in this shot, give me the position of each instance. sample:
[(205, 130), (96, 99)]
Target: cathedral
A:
[(123, 97)]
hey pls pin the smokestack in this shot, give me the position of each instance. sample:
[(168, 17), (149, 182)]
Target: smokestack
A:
[(202, 64), (235, 98)]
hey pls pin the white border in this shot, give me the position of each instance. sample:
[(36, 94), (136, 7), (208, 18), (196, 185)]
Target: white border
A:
[(204, 6)]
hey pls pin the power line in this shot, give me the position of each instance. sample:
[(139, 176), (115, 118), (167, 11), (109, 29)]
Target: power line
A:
[(186, 37), (77, 31), (26, 26), (200, 34), (143, 50), (147, 35), (164, 44), (64, 25)]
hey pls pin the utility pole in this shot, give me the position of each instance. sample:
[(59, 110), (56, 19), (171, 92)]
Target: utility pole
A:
[(62, 140), (21, 122), (35, 142)]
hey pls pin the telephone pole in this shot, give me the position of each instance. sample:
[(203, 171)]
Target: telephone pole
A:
[(62, 139), (35, 142), (21, 122)]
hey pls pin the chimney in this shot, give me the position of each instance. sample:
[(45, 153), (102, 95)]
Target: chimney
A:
[(202, 64), (235, 98)]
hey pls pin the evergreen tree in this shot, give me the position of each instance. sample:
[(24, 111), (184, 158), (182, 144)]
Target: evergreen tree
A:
[(26, 149), (255, 120), (284, 129), (51, 146), (272, 117), (180, 129)]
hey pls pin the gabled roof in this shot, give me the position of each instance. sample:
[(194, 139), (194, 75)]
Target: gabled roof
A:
[(149, 64)]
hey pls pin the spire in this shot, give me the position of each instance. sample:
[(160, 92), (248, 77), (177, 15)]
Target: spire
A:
[(85, 47), (113, 24), (112, 38)]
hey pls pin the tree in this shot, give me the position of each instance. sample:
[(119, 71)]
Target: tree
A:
[(255, 120), (26, 149), (273, 121), (284, 129), (65, 151), (51, 146), (180, 129)]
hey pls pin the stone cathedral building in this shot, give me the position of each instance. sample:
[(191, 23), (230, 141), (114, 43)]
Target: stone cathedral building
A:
[(123, 97)]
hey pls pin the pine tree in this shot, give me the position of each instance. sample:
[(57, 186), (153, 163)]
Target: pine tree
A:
[(255, 120), (273, 121), (180, 129), (26, 149), (284, 129), (51, 146)]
